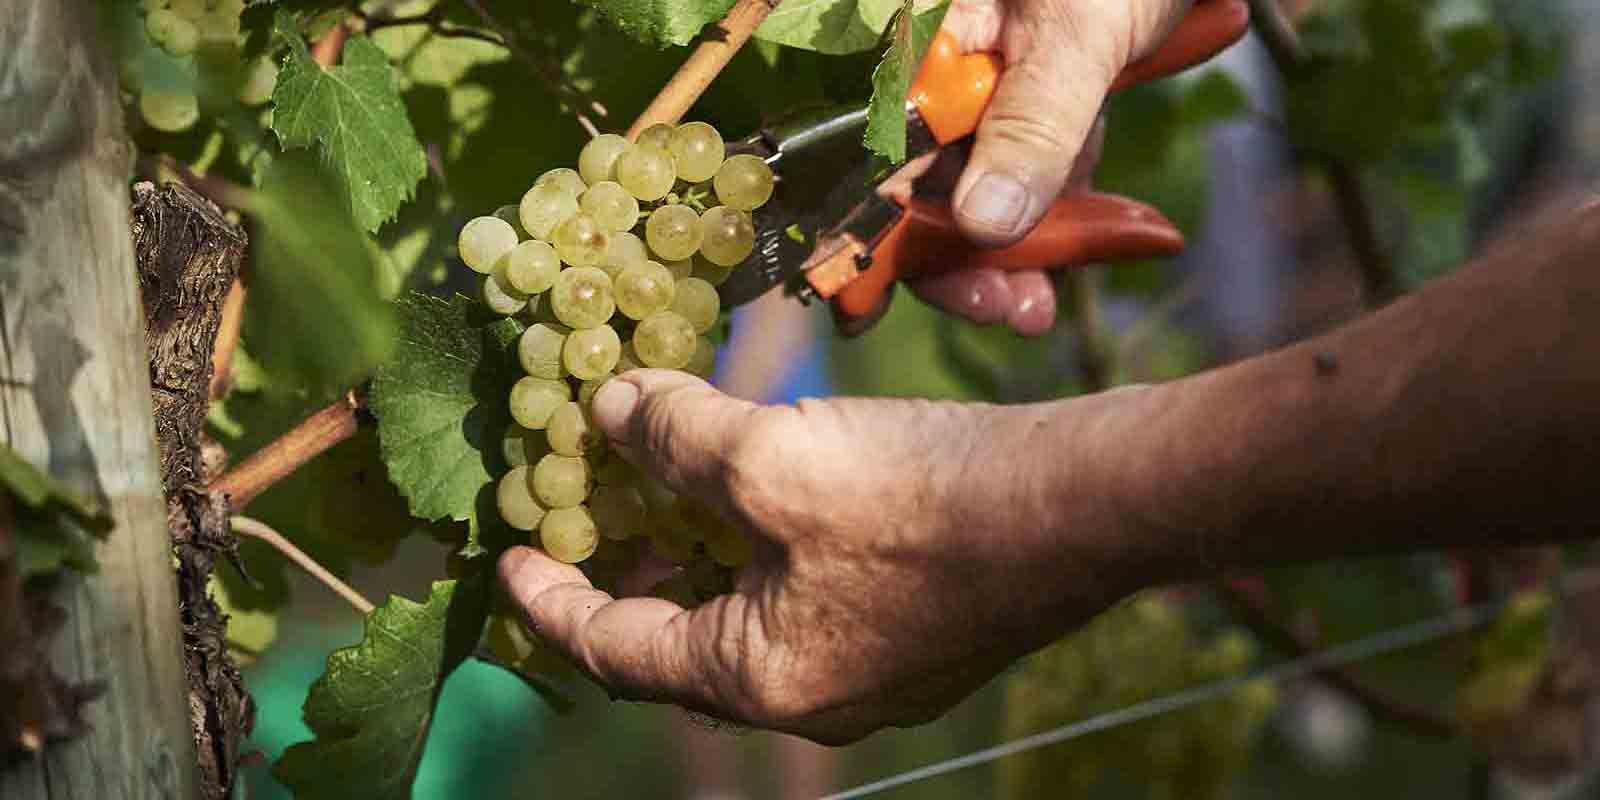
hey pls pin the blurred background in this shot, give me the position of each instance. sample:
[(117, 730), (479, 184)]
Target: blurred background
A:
[(1316, 176)]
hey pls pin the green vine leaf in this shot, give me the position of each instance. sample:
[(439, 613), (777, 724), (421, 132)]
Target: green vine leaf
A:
[(54, 526), (661, 22), (371, 708), (886, 113), (832, 27), (441, 403), (355, 118)]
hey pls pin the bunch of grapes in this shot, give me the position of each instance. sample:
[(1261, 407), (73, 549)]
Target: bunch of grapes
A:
[(614, 266), (181, 27)]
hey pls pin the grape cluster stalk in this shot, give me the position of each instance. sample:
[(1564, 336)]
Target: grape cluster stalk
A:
[(614, 266)]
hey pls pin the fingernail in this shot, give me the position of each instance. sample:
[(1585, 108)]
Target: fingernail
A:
[(996, 200), (510, 565), (612, 406)]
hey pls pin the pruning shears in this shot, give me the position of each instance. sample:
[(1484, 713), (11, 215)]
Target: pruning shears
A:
[(829, 233)]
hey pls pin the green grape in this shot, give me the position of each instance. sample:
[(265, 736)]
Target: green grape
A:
[(597, 160), (587, 389), (539, 350), (569, 534), (188, 9), (726, 236), (514, 496), (704, 361), (483, 240), (529, 268), (522, 447), (743, 182), (657, 135), (544, 207), (626, 250), (173, 32), (581, 241), (569, 432), (680, 269), (611, 206), (696, 150), (592, 352), (714, 274), (221, 24), (153, 5), (664, 340), (618, 511), (673, 232), (628, 360), (513, 218), (565, 177), (644, 289), (533, 400), (698, 302), (561, 481), (259, 81), (500, 299), (646, 172), (581, 297), (169, 112)]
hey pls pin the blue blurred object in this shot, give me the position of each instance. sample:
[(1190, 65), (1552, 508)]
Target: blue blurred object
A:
[(805, 376)]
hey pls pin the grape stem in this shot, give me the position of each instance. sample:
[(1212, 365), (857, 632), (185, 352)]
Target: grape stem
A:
[(434, 19), (703, 65), (548, 68), (227, 340), (256, 529), (279, 459), (1096, 369)]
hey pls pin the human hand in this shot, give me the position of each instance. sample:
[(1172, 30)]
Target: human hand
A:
[(1039, 136), (905, 552)]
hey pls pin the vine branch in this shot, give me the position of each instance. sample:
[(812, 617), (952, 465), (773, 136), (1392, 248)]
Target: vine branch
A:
[(257, 529), (227, 340), (435, 21), (272, 463), (703, 65)]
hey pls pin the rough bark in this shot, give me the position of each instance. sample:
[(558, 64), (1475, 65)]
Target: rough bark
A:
[(188, 254), (75, 399)]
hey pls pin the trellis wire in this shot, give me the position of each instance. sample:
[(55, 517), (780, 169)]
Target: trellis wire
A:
[(1393, 640)]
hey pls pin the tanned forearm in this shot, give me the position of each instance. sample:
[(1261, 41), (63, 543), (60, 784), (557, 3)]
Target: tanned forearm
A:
[(1467, 414)]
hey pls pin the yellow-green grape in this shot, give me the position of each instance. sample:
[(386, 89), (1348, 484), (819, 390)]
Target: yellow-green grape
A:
[(626, 250), (680, 269), (544, 207), (153, 5), (569, 432), (646, 172), (698, 302), (501, 299), (221, 23), (664, 340), (565, 177), (522, 447), (188, 9), (727, 545), (581, 241), (514, 496), (628, 360), (569, 534), (587, 389), (696, 150), (657, 135), (704, 361), (539, 350), (743, 182), (259, 82), (561, 481), (611, 206), (597, 160), (673, 232), (618, 511), (592, 352), (533, 400), (644, 289), (530, 268), (513, 217), (581, 297), (726, 236), (175, 34), (170, 112), (714, 274), (483, 240)]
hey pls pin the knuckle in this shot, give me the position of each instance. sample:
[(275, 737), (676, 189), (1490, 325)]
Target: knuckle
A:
[(750, 456)]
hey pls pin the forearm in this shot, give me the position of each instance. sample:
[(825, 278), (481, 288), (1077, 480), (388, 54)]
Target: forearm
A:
[(1467, 414)]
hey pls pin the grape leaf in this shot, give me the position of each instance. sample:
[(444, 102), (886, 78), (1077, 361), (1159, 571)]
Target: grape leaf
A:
[(886, 113), (54, 526), (371, 708), (661, 22), (354, 116), (833, 27), (441, 403)]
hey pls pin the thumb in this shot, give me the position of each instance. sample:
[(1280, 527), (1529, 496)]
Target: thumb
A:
[(675, 425), (1061, 61)]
